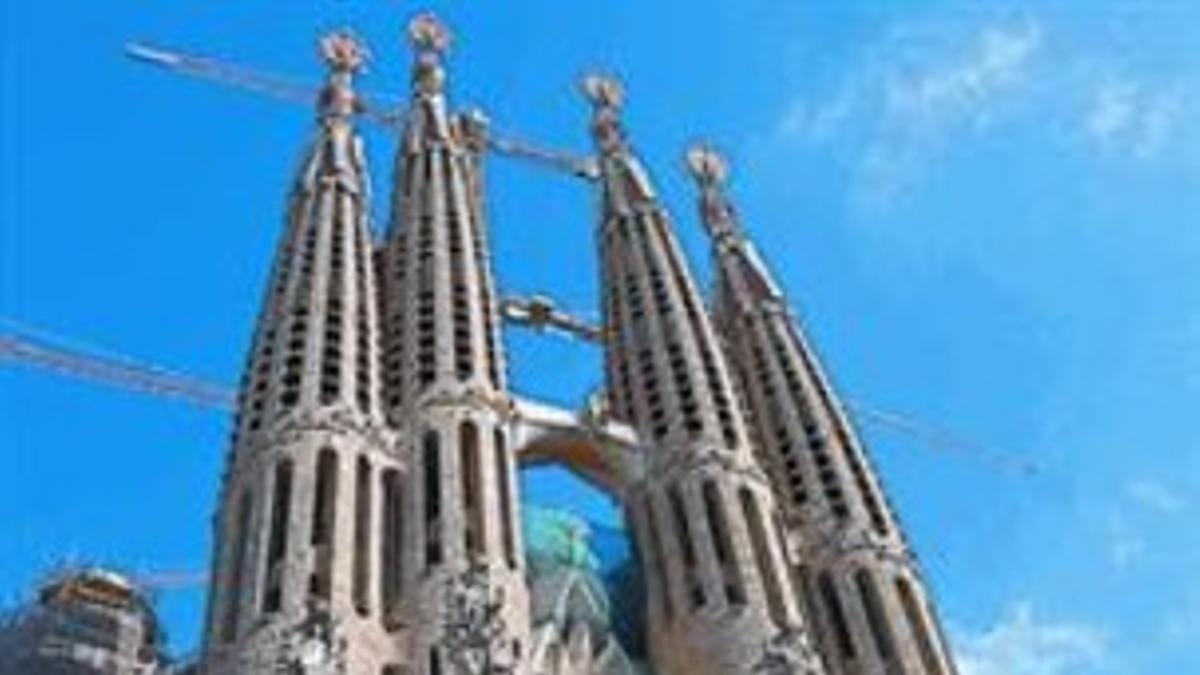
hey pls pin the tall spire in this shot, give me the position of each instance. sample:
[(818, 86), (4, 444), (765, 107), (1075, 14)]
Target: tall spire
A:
[(445, 388), (860, 581), (711, 172), (627, 186), (321, 273), (293, 544), (703, 512)]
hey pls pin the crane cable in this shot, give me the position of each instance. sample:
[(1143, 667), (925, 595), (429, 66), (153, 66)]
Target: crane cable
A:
[(38, 347)]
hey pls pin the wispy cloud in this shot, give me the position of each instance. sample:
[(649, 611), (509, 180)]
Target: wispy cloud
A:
[(1127, 528), (1126, 117), (1023, 644), (965, 87), (1156, 496), (924, 89), (900, 109)]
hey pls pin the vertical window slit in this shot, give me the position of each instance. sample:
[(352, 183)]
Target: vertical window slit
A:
[(474, 536), (684, 532), (392, 575), (735, 592), (360, 589), (660, 559), (504, 478), (767, 570), (237, 566), (877, 620), (323, 523), (433, 499), (919, 627), (435, 661), (837, 616), (277, 541)]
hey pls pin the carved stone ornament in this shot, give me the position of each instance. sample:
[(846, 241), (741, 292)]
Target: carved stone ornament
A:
[(343, 51), (428, 33)]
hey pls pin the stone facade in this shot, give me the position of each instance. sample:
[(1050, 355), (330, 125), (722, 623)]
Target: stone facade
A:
[(862, 587), (369, 518)]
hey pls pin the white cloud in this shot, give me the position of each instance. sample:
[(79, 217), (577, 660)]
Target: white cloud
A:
[(1156, 497), (898, 111), (925, 89), (1124, 116), (1022, 644), (967, 84)]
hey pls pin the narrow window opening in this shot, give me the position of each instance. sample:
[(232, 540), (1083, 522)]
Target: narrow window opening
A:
[(323, 523), (237, 565), (808, 596), (767, 570), (504, 478), (919, 627), (433, 499), (877, 620), (360, 587), (837, 616), (277, 541), (474, 536), (695, 586), (735, 593), (435, 661), (392, 575), (660, 559)]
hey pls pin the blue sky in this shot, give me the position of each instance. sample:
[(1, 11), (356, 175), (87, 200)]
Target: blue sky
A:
[(988, 214)]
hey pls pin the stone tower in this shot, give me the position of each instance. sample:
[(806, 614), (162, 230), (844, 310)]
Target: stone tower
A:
[(295, 544), (704, 512), (861, 584), (368, 521), (445, 384)]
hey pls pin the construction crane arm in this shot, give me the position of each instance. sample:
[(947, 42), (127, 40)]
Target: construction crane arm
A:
[(384, 110), (116, 372), (582, 167), (256, 81), (26, 345), (275, 86), (539, 313)]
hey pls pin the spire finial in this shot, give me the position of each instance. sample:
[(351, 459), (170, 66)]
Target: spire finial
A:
[(342, 51), (606, 96), (431, 40), (710, 170), (428, 34), (707, 165), (604, 91), (345, 55)]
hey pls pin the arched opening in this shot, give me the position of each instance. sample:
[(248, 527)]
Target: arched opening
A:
[(324, 520), (469, 469), (877, 620), (574, 530), (362, 537), (237, 566), (277, 539), (431, 494), (391, 553)]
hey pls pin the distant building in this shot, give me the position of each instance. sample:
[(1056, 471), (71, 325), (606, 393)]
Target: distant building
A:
[(83, 622)]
